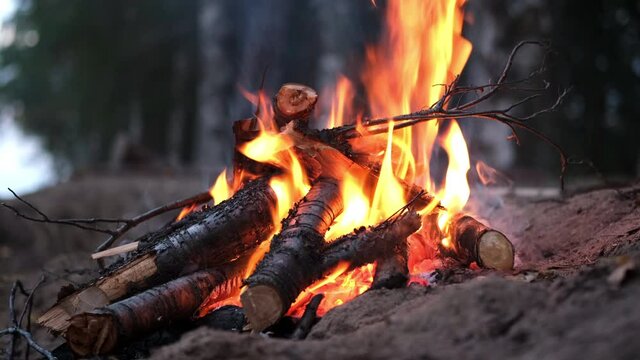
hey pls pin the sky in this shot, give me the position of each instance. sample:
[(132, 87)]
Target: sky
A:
[(24, 165)]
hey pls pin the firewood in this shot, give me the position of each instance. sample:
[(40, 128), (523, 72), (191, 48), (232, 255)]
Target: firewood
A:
[(366, 246), (362, 247), (294, 102), (205, 239), (471, 241), (392, 271), (99, 331), (335, 161), (294, 256)]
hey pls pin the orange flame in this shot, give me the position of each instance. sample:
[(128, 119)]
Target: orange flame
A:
[(422, 48)]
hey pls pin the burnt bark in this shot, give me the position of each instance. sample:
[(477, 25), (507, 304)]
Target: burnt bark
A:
[(205, 239), (102, 330), (294, 256), (392, 271), (368, 245)]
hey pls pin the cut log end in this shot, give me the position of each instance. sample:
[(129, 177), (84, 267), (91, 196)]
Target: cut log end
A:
[(495, 251), (294, 102), (92, 334), (262, 306)]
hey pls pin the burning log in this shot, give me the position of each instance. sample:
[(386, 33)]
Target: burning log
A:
[(471, 241), (294, 256), (360, 248), (100, 331), (294, 102), (368, 245), (206, 239)]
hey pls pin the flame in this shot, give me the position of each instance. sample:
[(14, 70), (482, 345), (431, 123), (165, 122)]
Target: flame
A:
[(341, 103), (186, 211), (421, 49)]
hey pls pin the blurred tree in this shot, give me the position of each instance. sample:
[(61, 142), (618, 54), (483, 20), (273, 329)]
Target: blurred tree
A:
[(82, 71)]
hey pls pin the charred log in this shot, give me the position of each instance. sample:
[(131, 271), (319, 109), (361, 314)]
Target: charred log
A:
[(471, 241), (368, 245), (392, 271), (201, 240), (294, 256), (101, 330)]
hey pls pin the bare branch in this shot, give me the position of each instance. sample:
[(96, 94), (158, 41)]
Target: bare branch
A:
[(15, 329), (126, 224)]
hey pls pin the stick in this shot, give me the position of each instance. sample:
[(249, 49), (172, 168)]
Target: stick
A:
[(205, 239), (116, 250), (16, 325), (392, 271), (289, 265), (127, 224), (308, 318)]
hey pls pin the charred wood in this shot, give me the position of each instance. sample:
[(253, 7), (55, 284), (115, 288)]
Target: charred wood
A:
[(205, 239), (101, 330), (392, 271), (293, 257), (308, 319)]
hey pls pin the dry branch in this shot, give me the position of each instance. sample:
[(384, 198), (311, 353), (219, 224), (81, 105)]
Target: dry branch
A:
[(15, 329), (289, 265), (101, 330), (308, 318), (205, 239)]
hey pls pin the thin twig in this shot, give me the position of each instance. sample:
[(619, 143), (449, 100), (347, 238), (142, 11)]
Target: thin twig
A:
[(125, 224), (27, 336), (15, 329), (453, 94), (197, 199)]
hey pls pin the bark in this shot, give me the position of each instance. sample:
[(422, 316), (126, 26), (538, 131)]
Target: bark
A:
[(102, 330), (294, 256), (201, 240), (471, 241), (368, 245)]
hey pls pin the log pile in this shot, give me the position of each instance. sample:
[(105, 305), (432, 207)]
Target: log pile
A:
[(174, 270)]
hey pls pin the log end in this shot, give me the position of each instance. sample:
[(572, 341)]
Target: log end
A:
[(262, 306), (294, 101), (495, 251), (92, 334)]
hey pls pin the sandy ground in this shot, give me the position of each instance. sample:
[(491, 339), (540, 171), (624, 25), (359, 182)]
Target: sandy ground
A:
[(573, 295)]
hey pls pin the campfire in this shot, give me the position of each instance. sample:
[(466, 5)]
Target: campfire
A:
[(307, 219)]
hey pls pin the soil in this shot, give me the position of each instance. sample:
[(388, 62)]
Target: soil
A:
[(572, 295)]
